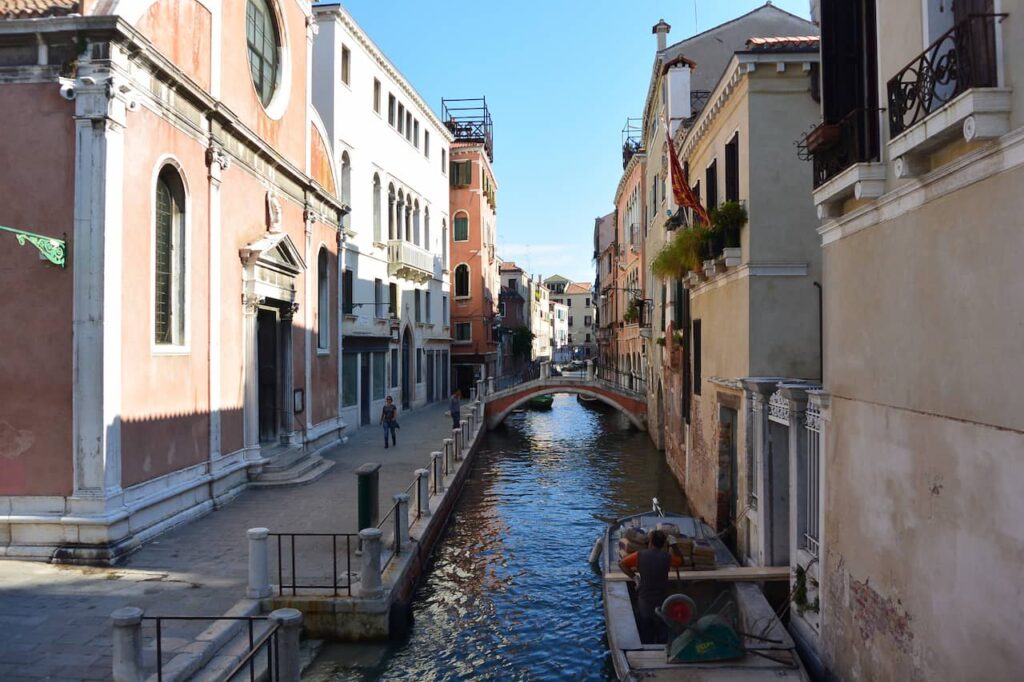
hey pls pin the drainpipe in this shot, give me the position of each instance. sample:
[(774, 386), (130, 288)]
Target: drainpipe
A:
[(821, 338)]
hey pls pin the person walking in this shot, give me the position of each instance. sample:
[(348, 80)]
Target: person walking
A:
[(389, 420), (454, 406)]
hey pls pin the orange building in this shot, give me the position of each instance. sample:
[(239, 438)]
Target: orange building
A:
[(475, 284)]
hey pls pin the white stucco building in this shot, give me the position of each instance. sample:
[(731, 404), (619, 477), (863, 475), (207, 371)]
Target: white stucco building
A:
[(560, 350), (392, 152)]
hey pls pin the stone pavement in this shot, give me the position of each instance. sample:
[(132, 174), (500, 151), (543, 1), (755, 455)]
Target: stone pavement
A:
[(55, 620)]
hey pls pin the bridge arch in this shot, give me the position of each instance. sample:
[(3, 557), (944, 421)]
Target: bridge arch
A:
[(501, 406)]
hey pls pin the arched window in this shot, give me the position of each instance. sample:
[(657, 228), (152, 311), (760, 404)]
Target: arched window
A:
[(462, 281), (262, 39), (408, 219), (169, 266), (323, 300), (416, 222), (461, 226), (426, 227), (391, 212), (400, 216), (376, 208), (346, 186), (444, 244)]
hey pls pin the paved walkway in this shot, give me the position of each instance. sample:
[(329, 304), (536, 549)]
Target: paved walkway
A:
[(55, 620)]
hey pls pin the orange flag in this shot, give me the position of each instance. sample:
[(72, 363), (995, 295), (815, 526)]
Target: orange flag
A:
[(681, 191)]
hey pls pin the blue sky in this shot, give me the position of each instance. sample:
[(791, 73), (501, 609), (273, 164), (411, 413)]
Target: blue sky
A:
[(560, 77)]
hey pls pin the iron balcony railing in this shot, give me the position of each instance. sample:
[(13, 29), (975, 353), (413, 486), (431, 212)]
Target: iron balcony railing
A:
[(963, 57), (834, 147)]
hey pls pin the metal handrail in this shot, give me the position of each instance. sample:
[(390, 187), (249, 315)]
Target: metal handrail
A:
[(294, 586), (408, 491), (626, 381), (158, 621), (396, 541), (273, 660)]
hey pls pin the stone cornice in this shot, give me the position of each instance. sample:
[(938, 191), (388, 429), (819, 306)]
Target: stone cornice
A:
[(340, 13)]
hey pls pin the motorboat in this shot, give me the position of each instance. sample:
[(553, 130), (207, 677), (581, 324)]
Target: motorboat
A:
[(717, 624), (541, 402)]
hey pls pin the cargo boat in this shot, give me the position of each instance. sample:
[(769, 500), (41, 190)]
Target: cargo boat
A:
[(718, 624)]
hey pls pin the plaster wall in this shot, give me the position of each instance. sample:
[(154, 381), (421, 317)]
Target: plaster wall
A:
[(182, 31), (35, 366)]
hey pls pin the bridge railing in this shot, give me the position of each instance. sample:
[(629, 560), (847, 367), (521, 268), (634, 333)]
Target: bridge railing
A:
[(515, 378), (627, 381)]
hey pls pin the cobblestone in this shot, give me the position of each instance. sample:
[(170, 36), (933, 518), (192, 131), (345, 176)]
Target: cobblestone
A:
[(56, 619)]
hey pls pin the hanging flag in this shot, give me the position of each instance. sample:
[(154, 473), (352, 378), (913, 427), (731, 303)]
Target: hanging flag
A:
[(681, 191)]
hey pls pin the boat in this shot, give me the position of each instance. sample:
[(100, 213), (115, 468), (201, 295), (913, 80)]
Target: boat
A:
[(719, 625), (589, 401), (541, 402)]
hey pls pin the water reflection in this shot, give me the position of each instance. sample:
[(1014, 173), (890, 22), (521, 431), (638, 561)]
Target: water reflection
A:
[(510, 595)]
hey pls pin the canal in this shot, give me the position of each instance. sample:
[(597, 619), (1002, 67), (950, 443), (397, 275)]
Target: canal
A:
[(510, 595)]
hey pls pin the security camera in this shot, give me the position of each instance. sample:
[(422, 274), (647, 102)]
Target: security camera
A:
[(67, 91)]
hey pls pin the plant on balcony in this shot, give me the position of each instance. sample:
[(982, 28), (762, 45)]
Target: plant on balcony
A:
[(522, 342), (632, 313), (682, 254), (677, 338), (727, 219), (660, 341)]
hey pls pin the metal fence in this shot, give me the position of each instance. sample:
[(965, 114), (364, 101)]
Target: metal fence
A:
[(337, 541), (515, 378), (627, 381), (812, 469), (263, 648)]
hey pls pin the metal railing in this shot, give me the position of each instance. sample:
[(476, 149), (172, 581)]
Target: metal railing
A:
[(392, 545), (812, 468), (963, 57), (628, 381), (409, 491), (268, 638), (294, 585), (834, 147), (515, 378)]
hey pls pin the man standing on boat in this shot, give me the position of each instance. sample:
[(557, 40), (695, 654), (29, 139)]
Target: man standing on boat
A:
[(653, 565)]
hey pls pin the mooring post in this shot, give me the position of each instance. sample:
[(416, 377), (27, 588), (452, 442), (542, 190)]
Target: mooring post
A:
[(127, 635), (465, 434), (457, 440), (401, 521), (370, 584), (435, 466), (423, 491), (289, 654), (449, 446), (259, 564)]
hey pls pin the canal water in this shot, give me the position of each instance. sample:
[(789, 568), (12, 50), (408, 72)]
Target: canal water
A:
[(510, 595)]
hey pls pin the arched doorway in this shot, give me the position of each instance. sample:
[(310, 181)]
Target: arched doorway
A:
[(406, 369)]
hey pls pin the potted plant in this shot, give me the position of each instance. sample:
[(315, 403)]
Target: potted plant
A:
[(632, 313), (681, 255), (728, 218), (660, 341)]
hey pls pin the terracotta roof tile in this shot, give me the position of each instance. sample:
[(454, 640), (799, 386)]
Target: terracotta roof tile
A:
[(782, 43), (509, 265), (25, 9), (578, 288)]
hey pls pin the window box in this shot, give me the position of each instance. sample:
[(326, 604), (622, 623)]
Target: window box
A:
[(822, 138)]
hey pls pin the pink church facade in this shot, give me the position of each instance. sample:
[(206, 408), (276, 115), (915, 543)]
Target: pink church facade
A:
[(189, 345)]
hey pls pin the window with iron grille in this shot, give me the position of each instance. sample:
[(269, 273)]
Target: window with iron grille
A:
[(810, 473), (169, 267)]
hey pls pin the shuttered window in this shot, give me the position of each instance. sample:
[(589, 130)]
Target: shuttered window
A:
[(732, 169), (711, 182), (461, 228), (461, 173)]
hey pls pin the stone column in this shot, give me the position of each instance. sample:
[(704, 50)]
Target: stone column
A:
[(457, 440), (760, 391), (250, 401), (448, 458), (797, 398), (259, 564), (423, 491), (127, 640), (370, 584), (289, 655), (217, 162), (490, 385), (590, 370), (402, 529), (435, 468), (287, 376)]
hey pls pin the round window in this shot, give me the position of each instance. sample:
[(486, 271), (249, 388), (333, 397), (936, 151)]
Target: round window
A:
[(264, 53)]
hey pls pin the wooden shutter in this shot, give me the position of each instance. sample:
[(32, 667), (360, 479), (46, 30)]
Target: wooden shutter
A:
[(981, 41), (732, 169)]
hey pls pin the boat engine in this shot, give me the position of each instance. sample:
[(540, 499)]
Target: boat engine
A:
[(698, 639)]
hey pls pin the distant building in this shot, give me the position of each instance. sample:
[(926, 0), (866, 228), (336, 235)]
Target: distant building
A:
[(578, 298), (561, 351), (540, 319), (474, 275), (608, 317)]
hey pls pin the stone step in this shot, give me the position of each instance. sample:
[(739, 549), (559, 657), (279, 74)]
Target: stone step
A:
[(283, 457), (209, 643), (309, 474), (293, 470)]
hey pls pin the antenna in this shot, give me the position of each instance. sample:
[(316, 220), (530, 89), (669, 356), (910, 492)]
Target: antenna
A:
[(695, 29)]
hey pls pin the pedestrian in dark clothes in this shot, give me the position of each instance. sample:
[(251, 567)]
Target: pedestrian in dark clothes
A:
[(454, 406), (389, 420)]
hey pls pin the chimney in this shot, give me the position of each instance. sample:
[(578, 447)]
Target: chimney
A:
[(661, 29)]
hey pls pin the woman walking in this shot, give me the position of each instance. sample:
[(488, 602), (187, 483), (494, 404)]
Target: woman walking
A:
[(454, 405), (389, 420)]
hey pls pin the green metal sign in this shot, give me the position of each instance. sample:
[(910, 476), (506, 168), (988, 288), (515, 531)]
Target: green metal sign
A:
[(50, 248)]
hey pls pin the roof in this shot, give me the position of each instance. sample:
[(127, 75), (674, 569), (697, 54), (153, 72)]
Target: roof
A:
[(578, 288), (509, 265), (24, 9), (783, 43)]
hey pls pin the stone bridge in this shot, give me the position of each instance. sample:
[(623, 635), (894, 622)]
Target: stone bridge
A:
[(499, 404)]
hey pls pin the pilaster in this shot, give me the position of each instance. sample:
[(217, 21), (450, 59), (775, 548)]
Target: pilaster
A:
[(217, 162)]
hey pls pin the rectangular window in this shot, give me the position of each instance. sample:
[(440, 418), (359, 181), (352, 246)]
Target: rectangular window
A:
[(401, 118), (586, 320), (378, 298), (588, 338), (394, 368), (501, 309), (346, 288), (393, 299), (444, 160), (376, 95), (444, 310), (587, 303), (570, 320), (568, 302), (461, 228), (696, 357), (346, 59), (732, 169), (711, 182), (391, 109), (416, 134), (426, 143), (696, 193), (349, 376), (378, 375), (664, 296), (408, 125), (416, 306), (463, 331), (512, 285), (323, 302), (461, 173), (677, 308), (419, 365), (426, 304)]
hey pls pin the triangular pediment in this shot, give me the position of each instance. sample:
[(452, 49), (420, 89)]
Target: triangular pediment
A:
[(276, 251)]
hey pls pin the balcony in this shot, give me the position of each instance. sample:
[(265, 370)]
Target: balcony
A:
[(846, 160), (950, 89), (409, 261), (469, 120)]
